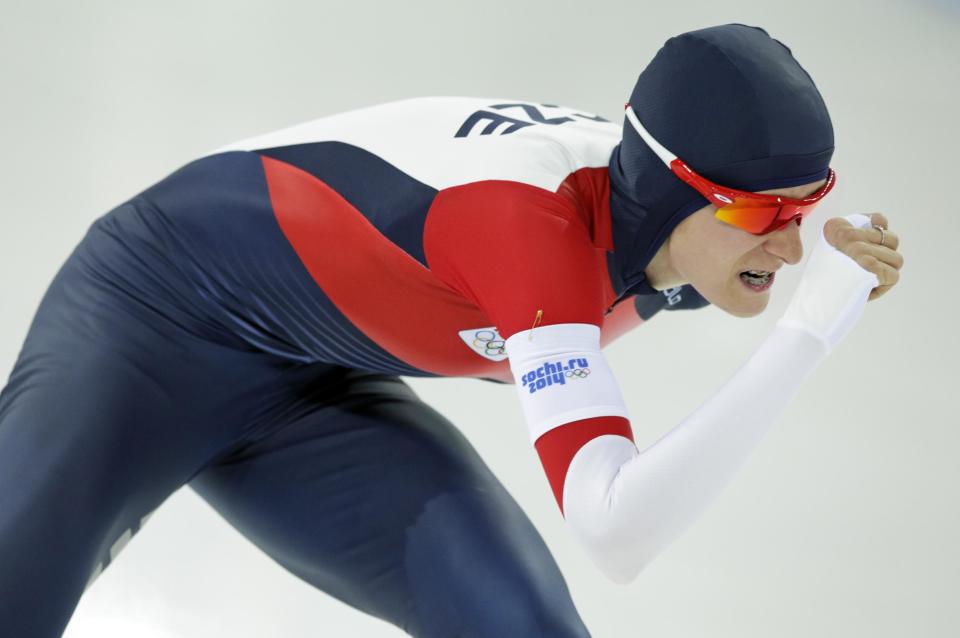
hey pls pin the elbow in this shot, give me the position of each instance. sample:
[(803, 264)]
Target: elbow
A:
[(620, 559), (623, 574), (594, 512)]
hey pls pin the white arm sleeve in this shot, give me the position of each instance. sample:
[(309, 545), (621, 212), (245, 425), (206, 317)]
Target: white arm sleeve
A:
[(626, 506)]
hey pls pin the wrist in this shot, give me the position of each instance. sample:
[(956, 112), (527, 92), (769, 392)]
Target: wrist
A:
[(786, 327), (798, 342)]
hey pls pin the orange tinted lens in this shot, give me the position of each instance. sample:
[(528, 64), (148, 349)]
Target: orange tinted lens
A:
[(758, 218), (752, 216)]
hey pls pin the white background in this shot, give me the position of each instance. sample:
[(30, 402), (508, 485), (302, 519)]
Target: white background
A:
[(844, 522)]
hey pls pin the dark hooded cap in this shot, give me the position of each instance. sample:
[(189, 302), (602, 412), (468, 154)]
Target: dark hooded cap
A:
[(734, 104)]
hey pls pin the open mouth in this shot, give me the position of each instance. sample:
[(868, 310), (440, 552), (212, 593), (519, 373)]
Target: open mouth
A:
[(757, 280)]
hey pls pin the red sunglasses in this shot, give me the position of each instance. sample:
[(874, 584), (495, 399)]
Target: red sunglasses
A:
[(756, 213)]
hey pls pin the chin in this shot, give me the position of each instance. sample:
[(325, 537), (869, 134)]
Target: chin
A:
[(746, 314)]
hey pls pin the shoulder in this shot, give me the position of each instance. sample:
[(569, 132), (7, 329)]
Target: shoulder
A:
[(444, 141), (512, 213)]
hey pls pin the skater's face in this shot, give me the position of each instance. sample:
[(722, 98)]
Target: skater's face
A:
[(711, 255)]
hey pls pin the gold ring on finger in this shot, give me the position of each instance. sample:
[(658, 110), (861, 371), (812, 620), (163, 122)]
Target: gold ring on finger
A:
[(882, 234)]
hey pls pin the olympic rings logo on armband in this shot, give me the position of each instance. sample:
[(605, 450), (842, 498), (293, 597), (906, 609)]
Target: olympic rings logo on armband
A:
[(554, 373)]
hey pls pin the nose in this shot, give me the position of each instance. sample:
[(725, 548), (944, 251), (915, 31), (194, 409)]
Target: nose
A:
[(785, 243)]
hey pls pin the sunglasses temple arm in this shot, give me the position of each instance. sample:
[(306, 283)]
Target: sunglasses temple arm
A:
[(666, 156)]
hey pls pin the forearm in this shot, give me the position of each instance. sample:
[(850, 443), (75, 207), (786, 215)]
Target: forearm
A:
[(627, 506)]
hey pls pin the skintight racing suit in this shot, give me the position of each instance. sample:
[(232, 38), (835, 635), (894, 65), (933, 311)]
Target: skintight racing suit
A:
[(241, 326)]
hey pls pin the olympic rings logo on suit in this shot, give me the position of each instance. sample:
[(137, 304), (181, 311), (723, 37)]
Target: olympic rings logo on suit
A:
[(489, 342), (485, 341)]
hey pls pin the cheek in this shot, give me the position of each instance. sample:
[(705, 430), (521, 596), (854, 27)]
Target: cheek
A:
[(709, 253), (714, 268), (715, 260)]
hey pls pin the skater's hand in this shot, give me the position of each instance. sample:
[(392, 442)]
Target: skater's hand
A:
[(863, 246)]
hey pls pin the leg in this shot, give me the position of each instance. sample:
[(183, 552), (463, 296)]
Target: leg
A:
[(378, 500), (111, 406)]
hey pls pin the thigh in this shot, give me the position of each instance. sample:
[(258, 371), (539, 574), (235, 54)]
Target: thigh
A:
[(378, 500), (113, 403)]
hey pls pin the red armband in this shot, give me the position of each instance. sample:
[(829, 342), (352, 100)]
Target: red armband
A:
[(558, 446)]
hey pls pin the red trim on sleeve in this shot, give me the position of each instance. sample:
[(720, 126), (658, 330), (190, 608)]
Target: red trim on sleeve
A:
[(514, 249), (558, 446)]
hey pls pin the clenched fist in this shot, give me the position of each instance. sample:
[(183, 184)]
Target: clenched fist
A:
[(863, 246)]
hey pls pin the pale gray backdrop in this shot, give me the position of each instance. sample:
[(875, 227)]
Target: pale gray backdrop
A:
[(845, 521)]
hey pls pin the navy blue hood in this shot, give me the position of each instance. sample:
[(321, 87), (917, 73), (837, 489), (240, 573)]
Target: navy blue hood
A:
[(735, 105)]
